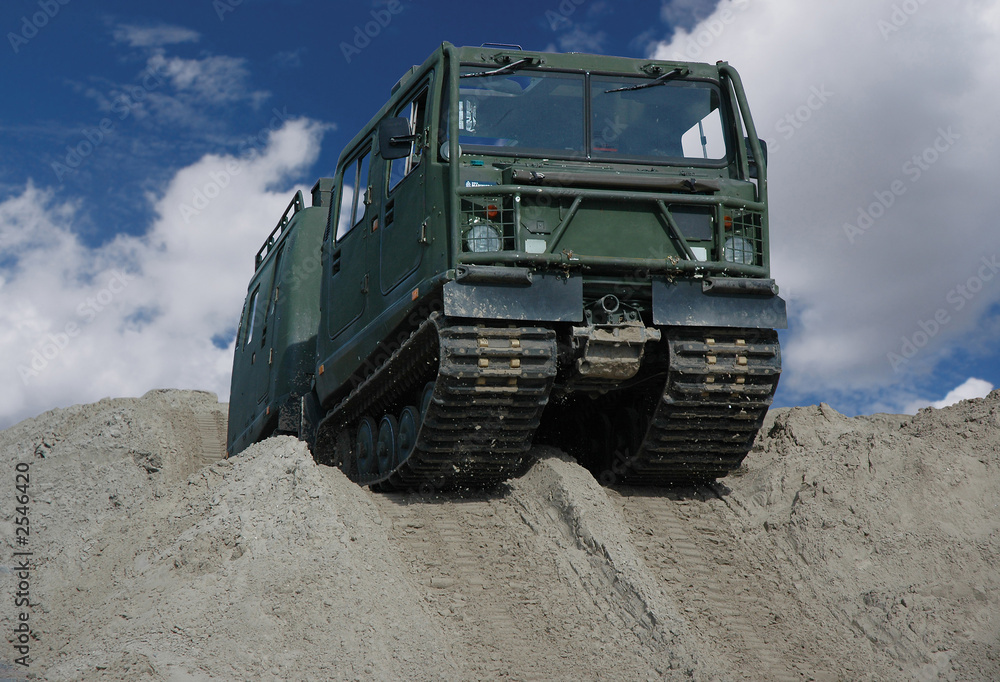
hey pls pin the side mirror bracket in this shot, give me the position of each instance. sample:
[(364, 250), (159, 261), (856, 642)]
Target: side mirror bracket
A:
[(752, 162), (395, 138)]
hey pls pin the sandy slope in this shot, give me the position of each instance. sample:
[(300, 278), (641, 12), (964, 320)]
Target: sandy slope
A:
[(850, 549)]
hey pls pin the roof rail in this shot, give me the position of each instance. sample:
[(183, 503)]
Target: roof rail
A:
[(297, 203), (516, 47), (402, 79)]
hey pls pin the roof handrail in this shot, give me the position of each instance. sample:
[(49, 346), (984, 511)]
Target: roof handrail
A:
[(297, 203)]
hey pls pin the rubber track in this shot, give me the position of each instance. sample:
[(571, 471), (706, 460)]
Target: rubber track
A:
[(719, 387), (491, 386)]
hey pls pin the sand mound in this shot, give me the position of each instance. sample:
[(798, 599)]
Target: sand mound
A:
[(858, 548)]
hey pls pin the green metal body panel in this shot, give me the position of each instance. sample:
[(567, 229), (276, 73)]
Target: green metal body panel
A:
[(276, 343), (387, 257)]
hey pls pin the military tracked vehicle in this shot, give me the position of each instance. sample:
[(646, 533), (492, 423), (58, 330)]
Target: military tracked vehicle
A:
[(523, 247)]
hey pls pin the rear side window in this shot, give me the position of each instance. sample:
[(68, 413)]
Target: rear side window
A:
[(251, 316), (272, 300), (353, 194)]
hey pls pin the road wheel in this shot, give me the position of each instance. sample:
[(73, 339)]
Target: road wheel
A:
[(385, 448), (409, 424), (425, 398), (364, 449)]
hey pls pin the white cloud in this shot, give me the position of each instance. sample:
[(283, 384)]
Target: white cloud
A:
[(579, 39), (78, 324), (215, 80), (972, 388), (848, 93), (154, 36)]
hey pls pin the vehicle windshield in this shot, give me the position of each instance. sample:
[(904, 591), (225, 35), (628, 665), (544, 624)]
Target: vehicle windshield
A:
[(535, 113), (675, 120)]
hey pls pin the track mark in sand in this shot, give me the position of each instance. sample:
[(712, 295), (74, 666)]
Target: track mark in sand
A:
[(693, 552), (498, 589), (826, 620), (199, 440), (211, 429), (451, 548)]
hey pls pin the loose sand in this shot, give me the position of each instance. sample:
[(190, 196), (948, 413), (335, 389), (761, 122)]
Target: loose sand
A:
[(844, 549)]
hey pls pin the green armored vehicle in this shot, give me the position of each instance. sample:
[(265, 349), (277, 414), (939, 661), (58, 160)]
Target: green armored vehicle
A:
[(523, 247)]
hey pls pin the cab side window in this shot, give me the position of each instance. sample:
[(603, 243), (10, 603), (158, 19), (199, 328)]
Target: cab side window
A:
[(251, 317), (416, 112), (353, 194)]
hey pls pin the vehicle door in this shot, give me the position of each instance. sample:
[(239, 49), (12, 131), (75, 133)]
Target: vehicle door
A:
[(241, 395), (268, 328), (347, 281), (401, 232)]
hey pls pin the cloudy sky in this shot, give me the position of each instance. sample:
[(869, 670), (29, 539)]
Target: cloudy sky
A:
[(119, 273)]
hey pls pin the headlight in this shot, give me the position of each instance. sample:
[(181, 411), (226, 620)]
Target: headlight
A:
[(483, 238), (739, 250)]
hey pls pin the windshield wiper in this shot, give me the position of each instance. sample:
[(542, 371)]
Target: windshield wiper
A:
[(506, 68), (668, 76)]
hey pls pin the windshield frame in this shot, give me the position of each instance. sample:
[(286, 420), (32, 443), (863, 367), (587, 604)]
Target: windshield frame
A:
[(725, 113)]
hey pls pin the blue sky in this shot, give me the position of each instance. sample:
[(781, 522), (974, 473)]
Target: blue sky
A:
[(880, 116)]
